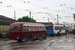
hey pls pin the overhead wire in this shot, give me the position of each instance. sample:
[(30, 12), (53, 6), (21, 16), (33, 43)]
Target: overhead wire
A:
[(52, 18), (56, 2), (49, 15), (66, 6), (36, 6), (42, 8)]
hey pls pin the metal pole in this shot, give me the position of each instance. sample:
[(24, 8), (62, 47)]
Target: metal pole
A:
[(57, 19), (30, 15), (14, 15), (48, 19)]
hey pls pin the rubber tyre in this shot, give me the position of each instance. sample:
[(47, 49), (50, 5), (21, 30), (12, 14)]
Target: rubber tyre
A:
[(19, 40), (44, 36), (58, 34), (30, 36), (66, 33), (36, 38)]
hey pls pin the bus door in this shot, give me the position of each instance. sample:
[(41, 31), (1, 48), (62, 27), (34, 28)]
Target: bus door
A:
[(62, 29), (25, 32), (56, 30), (59, 29)]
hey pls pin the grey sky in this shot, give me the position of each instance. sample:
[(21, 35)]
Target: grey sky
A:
[(64, 8)]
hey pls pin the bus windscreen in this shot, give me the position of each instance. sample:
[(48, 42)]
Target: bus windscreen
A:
[(14, 28), (49, 28)]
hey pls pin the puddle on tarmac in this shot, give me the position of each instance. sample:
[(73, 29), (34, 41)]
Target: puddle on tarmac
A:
[(73, 37)]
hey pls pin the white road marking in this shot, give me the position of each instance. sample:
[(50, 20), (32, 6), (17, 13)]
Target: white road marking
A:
[(69, 40), (52, 40), (61, 40)]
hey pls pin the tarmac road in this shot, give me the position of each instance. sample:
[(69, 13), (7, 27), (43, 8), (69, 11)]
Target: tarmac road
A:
[(65, 42)]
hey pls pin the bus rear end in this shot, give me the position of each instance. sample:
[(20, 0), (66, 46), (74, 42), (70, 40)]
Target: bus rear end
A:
[(49, 29), (15, 32)]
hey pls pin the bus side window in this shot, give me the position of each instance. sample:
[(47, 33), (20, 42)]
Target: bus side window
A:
[(47, 27), (31, 28), (43, 28), (28, 28), (40, 28), (37, 27), (56, 28), (24, 28), (60, 28), (34, 28)]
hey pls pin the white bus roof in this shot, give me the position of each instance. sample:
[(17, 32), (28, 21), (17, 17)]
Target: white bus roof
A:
[(59, 25), (33, 24), (54, 25)]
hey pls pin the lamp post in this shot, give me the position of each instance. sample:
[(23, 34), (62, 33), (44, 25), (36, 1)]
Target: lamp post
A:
[(28, 10), (30, 15), (14, 12), (48, 20), (1, 2), (14, 15), (58, 19)]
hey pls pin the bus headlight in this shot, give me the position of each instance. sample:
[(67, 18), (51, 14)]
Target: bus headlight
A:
[(17, 37)]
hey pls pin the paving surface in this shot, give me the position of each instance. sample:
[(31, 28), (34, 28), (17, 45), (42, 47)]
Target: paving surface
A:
[(65, 42)]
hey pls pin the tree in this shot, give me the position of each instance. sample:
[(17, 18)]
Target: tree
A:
[(74, 17), (26, 19)]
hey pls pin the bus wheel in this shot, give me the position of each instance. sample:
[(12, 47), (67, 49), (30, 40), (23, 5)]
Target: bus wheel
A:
[(30, 36), (58, 34), (19, 40), (66, 33), (44, 36), (36, 38), (51, 34)]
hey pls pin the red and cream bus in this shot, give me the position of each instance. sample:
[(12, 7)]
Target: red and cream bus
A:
[(20, 30)]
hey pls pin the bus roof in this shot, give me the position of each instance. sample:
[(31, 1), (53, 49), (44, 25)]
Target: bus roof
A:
[(58, 25), (27, 24), (54, 25)]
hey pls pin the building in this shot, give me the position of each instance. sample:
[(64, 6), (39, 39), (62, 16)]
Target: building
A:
[(4, 25), (5, 20), (70, 25)]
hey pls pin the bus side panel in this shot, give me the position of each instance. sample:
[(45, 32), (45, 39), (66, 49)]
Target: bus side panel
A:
[(61, 31), (40, 33), (35, 34), (71, 30), (74, 31), (16, 35), (24, 35)]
